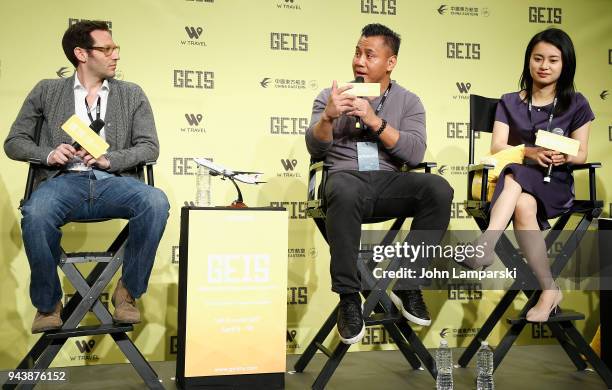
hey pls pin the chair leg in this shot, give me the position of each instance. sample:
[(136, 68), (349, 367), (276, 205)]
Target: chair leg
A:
[(330, 366), (403, 345), (419, 348), (138, 361), (487, 327), (568, 347), (319, 338), (584, 348)]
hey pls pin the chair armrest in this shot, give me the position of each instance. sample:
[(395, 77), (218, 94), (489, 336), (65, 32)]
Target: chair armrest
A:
[(483, 170), (480, 167), (148, 165), (426, 165), (315, 204), (29, 187), (592, 181), (577, 167)]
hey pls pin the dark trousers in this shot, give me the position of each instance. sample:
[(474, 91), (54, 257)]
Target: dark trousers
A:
[(353, 196)]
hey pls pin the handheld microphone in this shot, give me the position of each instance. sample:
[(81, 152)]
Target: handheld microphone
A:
[(96, 126), (358, 79), (546, 179)]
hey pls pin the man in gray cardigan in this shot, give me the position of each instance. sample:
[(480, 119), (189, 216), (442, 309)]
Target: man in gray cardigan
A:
[(75, 185), (365, 142)]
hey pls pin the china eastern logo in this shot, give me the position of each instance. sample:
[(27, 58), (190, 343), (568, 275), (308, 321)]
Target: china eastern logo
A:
[(285, 83), (194, 36), (462, 10)]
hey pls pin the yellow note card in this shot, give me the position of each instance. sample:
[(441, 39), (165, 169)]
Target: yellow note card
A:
[(362, 89), (557, 142), (85, 136)]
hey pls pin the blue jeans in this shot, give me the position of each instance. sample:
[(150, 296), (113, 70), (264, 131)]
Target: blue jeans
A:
[(77, 196)]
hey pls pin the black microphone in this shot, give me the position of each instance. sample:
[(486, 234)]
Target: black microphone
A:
[(96, 126), (546, 179), (358, 79)]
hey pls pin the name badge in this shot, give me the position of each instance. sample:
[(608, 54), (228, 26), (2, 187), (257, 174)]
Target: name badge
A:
[(367, 156)]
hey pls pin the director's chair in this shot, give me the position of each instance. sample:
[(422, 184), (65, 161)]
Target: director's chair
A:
[(378, 309), (86, 298), (482, 117)]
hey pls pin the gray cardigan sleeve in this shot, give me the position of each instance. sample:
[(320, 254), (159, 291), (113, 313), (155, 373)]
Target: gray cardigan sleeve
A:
[(20, 143), (143, 145), (317, 149), (412, 143)]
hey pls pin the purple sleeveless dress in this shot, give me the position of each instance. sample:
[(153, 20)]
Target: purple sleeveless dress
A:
[(556, 197)]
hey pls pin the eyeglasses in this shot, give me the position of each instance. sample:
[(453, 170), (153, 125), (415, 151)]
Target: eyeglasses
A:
[(107, 50)]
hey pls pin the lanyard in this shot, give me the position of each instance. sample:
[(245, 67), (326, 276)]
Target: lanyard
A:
[(550, 117), (89, 110), (380, 105), (384, 98)]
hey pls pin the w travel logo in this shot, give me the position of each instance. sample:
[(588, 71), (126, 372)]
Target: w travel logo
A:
[(193, 119), (194, 35), (193, 122), (86, 350), (464, 90), (289, 165), (464, 87)]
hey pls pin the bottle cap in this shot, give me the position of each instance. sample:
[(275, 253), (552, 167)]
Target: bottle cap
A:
[(443, 342), (484, 343)]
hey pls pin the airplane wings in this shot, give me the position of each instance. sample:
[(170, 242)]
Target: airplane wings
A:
[(217, 169)]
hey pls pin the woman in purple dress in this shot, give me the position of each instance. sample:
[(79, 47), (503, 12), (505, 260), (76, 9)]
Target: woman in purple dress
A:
[(547, 101)]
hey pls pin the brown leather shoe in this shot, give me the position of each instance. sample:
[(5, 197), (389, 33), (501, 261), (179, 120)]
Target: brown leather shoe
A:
[(126, 311), (48, 321)]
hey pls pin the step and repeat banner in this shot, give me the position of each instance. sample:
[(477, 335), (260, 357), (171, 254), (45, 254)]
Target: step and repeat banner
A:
[(234, 80)]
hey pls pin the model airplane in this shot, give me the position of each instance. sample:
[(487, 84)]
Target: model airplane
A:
[(217, 169), (225, 173)]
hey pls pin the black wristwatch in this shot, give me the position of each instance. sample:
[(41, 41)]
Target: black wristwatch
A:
[(382, 127)]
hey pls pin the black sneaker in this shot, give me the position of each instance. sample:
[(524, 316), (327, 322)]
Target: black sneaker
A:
[(350, 324), (412, 306)]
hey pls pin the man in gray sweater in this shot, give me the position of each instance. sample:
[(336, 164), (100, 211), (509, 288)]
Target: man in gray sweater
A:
[(74, 185), (365, 142)]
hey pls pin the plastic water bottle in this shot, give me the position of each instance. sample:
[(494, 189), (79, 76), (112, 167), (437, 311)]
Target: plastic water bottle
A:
[(203, 181), (444, 364), (484, 368)]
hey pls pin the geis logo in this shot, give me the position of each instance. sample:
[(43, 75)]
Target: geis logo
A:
[(193, 121), (194, 35)]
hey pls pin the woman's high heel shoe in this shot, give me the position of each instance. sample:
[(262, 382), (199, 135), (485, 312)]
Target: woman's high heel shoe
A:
[(534, 315)]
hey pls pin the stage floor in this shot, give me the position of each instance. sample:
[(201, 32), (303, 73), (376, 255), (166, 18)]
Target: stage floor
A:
[(525, 367)]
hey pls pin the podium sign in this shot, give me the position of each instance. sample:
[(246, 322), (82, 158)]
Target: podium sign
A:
[(232, 297)]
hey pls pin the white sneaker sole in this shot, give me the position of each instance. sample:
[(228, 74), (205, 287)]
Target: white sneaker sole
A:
[(353, 340), (398, 302), (356, 339)]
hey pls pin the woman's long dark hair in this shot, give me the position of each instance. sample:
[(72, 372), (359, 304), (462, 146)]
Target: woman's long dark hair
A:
[(565, 83)]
